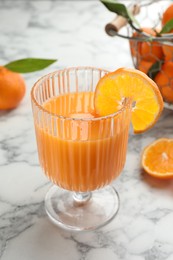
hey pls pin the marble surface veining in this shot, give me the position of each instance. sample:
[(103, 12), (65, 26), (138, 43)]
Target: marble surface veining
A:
[(73, 32)]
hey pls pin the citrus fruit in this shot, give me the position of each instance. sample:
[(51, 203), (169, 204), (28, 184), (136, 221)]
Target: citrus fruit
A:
[(12, 89), (135, 45), (144, 66), (157, 158), (123, 83), (164, 80), (167, 15), (168, 52), (150, 51)]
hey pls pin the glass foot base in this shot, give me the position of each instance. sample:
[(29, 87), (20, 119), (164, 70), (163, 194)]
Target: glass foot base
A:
[(67, 212)]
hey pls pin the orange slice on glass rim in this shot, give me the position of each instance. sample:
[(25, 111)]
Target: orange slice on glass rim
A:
[(157, 158), (114, 87)]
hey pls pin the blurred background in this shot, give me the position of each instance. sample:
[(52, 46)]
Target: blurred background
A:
[(71, 31)]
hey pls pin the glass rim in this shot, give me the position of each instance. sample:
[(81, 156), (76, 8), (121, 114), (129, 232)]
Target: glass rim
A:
[(126, 104)]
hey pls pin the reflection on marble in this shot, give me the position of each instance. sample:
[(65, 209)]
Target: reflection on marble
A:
[(73, 32)]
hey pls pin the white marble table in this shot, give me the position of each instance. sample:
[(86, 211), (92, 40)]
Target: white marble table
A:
[(73, 32)]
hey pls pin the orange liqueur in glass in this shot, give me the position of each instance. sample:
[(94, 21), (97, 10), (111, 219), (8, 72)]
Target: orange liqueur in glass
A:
[(81, 155)]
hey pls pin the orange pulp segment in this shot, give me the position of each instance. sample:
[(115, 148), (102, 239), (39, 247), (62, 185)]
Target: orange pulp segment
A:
[(157, 158), (114, 87)]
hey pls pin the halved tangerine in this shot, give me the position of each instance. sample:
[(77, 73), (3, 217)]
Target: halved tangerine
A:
[(157, 158), (129, 83)]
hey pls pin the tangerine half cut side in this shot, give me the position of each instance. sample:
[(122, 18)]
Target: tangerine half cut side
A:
[(157, 158)]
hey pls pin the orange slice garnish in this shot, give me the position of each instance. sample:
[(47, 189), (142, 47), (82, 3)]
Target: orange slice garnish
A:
[(157, 158), (114, 87)]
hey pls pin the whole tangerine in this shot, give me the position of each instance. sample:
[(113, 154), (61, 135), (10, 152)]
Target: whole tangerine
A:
[(144, 66), (167, 51), (135, 44), (167, 15), (150, 51), (12, 89), (164, 80)]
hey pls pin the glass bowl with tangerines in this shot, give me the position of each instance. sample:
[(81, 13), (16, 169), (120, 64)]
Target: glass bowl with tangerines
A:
[(150, 36)]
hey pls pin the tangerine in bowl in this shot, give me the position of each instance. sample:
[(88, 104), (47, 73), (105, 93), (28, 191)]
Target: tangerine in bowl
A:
[(151, 50)]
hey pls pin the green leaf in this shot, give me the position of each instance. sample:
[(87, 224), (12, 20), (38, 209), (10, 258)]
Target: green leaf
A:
[(119, 9), (28, 65), (133, 19), (154, 69), (167, 27)]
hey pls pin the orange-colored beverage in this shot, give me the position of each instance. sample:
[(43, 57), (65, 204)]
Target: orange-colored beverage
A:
[(80, 151)]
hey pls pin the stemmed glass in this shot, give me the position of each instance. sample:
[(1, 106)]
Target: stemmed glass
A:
[(80, 152)]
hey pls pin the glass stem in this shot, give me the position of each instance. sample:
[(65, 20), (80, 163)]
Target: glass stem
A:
[(81, 198)]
